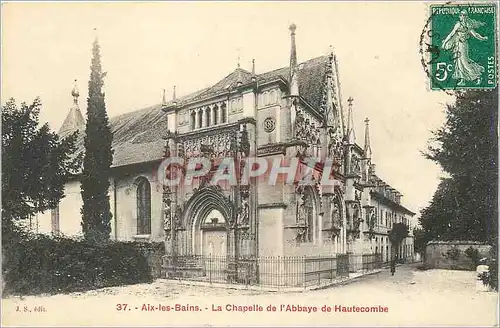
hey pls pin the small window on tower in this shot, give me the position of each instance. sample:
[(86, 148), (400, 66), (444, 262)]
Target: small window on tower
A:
[(272, 99), (223, 113), (200, 119), (216, 114), (193, 120), (208, 114)]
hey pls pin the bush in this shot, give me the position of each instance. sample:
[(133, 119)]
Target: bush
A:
[(43, 264), (452, 254), (473, 254)]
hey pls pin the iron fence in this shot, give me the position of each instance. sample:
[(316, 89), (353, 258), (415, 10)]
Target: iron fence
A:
[(270, 271)]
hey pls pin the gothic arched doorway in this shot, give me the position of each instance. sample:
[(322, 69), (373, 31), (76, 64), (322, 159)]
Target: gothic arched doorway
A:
[(207, 216), (213, 234)]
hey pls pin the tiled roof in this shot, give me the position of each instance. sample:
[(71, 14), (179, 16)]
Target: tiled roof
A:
[(137, 136)]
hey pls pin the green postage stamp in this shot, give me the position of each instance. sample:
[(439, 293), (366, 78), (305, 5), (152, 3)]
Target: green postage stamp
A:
[(462, 49)]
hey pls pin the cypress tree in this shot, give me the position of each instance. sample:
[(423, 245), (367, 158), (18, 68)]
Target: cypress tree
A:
[(96, 214)]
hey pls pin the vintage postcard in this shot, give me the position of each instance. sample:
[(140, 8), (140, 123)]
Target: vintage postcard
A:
[(249, 163)]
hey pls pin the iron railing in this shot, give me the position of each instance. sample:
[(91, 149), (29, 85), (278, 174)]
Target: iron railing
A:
[(271, 271)]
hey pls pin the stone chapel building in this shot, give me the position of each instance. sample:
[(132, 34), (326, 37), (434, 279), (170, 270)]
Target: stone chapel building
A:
[(289, 112)]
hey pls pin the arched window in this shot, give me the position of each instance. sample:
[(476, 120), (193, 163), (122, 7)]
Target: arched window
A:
[(216, 113), (143, 207), (223, 113), (193, 120), (208, 115), (272, 98), (200, 119), (266, 98), (309, 209)]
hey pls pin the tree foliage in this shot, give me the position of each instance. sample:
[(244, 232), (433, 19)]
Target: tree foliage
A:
[(36, 163), (96, 214), (465, 206), (466, 147), (420, 240), (398, 233)]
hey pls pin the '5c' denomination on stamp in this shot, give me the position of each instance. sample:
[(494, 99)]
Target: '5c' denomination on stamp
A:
[(463, 46)]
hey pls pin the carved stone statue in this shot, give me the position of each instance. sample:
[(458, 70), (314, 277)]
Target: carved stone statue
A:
[(335, 146), (301, 234), (244, 212), (299, 125), (336, 217), (301, 211), (355, 212), (318, 134), (356, 219), (331, 141), (355, 164), (371, 223), (314, 134)]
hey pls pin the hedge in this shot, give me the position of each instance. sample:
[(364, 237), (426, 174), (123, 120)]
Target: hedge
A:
[(43, 264)]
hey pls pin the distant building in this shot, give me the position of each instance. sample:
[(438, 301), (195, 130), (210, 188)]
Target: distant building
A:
[(289, 112)]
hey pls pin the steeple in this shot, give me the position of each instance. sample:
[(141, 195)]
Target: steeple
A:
[(368, 148), (254, 77), (174, 97), (239, 80), (163, 99), (74, 120), (294, 78), (351, 136), (75, 93)]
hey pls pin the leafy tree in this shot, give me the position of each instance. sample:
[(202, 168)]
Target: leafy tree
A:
[(465, 205), (36, 163), (441, 214), (420, 241), (397, 234), (466, 147), (96, 214)]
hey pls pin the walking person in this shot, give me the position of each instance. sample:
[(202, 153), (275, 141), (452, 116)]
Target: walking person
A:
[(393, 266)]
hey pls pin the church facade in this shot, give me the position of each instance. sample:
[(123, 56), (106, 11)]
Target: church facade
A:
[(287, 117)]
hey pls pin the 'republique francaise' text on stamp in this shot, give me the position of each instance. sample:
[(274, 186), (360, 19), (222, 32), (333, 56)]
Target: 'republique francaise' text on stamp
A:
[(463, 44)]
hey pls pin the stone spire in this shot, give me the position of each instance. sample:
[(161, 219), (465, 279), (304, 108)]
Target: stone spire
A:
[(294, 78), (351, 136), (368, 148), (254, 77), (74, 120), (174, 96), (163, 99), (239, 80)]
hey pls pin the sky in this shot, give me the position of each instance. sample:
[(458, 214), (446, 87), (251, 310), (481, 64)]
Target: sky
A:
[(147, 47)]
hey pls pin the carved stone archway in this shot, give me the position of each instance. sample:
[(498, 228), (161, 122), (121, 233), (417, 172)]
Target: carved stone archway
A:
[(195, 218)]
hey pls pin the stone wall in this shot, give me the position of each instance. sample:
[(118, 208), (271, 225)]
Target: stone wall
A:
[(451, 254)]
